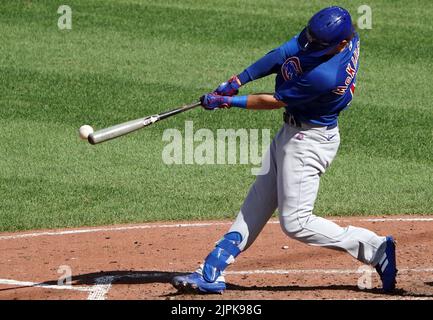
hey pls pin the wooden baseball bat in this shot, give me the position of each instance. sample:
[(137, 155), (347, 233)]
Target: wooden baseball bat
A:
[(133, 125)]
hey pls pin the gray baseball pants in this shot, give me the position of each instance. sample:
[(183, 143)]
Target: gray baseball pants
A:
[(297, 158)]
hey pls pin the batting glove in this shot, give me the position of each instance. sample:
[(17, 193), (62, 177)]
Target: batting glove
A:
[(212, 101), (229, 88)]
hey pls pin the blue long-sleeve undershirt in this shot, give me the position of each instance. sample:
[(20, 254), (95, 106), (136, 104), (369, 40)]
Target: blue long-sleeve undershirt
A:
[(263, 67)]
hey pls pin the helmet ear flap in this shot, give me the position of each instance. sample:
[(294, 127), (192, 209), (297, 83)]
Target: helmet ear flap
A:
[(303, 39)]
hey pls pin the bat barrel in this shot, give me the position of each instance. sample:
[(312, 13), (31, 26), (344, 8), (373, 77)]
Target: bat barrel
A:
[(130, 126), (116, 131)]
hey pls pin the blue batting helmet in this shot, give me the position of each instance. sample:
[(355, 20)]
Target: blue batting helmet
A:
[(325, 30)]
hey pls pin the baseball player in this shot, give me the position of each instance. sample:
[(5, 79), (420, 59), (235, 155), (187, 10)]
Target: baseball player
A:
[(315, 80)]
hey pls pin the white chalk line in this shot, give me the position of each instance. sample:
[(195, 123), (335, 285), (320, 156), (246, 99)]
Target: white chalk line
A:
[(184, 225), (93, 230), (11, 282), (101, 288), (96, 292), (393, 220), (103, 284), (323, 271)]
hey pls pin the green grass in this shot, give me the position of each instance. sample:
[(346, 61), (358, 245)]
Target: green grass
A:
[(126, 59)]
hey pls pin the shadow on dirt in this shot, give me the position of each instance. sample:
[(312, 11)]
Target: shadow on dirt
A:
[(397, 293), (146, 277), (122, 277), (111, 277)]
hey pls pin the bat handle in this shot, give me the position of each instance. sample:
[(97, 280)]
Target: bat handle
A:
[(178, 110)]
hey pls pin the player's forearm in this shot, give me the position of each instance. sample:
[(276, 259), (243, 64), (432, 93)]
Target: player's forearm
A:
[(265, 66), (263, 102)]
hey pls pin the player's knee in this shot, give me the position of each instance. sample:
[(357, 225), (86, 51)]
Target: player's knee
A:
[(292, 227)]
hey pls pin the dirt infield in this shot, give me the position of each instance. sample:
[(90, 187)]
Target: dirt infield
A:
[(138, 261)]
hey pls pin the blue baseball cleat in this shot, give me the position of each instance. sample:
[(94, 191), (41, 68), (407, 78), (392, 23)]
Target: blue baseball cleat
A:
[(195, 283), (387, 266)]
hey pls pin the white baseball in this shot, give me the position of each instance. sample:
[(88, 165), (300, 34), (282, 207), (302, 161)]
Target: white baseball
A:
[(85, 131)]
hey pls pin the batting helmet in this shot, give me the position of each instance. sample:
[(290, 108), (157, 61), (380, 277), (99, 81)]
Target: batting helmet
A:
[(325, 30)]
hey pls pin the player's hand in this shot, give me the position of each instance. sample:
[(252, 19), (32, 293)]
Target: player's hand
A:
[(229, 88), (212, 101)]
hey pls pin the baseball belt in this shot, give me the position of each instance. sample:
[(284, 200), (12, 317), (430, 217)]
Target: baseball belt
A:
[(291, 120)]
